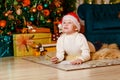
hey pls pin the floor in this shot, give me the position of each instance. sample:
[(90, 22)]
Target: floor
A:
[(15, 68)]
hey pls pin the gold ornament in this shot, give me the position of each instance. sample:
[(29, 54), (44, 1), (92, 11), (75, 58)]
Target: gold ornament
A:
[(6, 14), (33, 9), (19, 11)]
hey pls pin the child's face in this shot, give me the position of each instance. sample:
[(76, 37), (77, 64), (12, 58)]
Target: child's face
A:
[(68, 26)]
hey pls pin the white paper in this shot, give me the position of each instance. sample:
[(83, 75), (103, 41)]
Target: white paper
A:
[(65, 62)]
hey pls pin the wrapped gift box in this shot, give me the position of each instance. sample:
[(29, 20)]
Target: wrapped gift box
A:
[(6, 48), (39, 30), (24, 44)]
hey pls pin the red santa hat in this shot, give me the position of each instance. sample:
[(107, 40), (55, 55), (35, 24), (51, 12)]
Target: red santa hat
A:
[(75, 19)]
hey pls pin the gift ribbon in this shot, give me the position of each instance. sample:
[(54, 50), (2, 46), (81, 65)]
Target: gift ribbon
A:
[(23, 41)]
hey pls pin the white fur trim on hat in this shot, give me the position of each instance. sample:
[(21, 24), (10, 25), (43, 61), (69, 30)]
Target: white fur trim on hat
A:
[(74, 20)]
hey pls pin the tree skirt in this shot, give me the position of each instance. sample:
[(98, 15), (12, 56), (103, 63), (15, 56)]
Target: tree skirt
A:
[(66, 66)]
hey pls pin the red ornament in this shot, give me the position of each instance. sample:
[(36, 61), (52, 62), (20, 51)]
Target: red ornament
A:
[(26, 2), (39, 7), (46, 12), (3, 23)]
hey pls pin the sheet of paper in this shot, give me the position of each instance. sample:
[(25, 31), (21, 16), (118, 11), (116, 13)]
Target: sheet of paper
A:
[(65, 62)]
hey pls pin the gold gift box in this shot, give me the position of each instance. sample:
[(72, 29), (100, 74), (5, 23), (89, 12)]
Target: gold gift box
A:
[(23, 43)]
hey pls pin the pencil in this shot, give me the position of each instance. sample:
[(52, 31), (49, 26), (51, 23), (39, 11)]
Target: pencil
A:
[(49, 56)]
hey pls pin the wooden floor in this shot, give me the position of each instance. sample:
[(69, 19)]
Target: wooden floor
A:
[(15, 68)]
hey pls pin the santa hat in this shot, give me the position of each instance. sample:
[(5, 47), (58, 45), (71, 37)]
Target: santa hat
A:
[(75, 19)]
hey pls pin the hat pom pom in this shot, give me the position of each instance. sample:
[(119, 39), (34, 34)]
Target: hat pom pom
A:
[(60, 28)]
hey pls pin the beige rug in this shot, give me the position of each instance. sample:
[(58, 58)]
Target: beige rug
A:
[(68, 67)]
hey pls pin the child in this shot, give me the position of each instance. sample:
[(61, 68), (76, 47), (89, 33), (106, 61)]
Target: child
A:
[(71, 42)]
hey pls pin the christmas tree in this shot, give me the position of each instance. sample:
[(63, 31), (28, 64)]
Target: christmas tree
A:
[(19, 14)]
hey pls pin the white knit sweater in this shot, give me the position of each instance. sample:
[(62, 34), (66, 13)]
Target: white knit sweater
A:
[(74, 45)]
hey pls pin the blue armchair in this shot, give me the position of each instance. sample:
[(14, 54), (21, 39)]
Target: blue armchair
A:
[(102, 23)]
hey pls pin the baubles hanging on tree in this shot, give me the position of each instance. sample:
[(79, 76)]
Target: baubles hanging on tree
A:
[(39, 7), (46, 12), (18, 11), (3, 23), (33, 9)]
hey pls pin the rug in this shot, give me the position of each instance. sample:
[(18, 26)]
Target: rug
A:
[(66, 66)]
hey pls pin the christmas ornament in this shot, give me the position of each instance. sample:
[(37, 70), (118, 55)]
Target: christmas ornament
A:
[(19, 11), (46, 12), (12, 28), (25, 8), (3, 23), (26, 2), (33, 9), (32, 18), (41, 17), (39, 7), (43, 21), (15, 2), (45, 5), (6, 14)]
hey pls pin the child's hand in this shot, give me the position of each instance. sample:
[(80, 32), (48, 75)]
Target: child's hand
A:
[(54, 60), (76, 62)]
